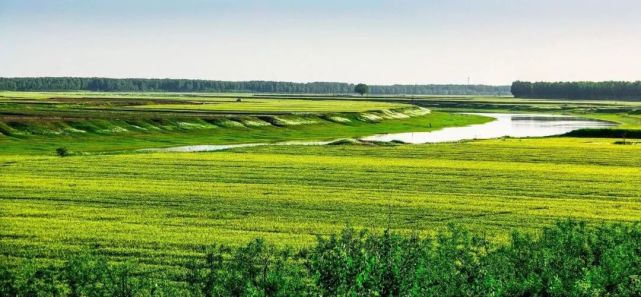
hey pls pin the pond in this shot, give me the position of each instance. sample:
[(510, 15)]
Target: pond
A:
[(505, 125)]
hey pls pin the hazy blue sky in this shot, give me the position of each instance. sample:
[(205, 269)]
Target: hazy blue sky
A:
[(401, 41)]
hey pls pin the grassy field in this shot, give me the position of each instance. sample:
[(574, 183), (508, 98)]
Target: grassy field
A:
[(281, 105), (10, 95), (165, 208), (71, 104), (123, 105), (162, 208)]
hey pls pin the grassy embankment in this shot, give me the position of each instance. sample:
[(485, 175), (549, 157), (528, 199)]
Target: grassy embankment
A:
[(38, 124)]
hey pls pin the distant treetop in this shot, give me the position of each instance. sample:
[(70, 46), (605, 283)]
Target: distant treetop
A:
[(361, 89)]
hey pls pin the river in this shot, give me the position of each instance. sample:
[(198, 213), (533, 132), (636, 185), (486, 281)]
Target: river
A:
[(505, 125)]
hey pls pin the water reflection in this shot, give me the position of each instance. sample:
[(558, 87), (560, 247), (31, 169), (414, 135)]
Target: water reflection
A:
[(512, 125)]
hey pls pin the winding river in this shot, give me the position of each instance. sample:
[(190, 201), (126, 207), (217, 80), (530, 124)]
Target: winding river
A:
[(505, 125)]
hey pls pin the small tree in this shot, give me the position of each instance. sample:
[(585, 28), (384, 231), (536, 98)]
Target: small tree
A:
[(361, 89), (62, 152)]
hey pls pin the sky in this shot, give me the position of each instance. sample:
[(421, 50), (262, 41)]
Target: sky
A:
[(375, 41)]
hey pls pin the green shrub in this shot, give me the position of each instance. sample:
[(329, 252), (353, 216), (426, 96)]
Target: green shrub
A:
[(567, 259), (62, 152)]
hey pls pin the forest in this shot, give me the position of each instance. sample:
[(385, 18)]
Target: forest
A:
[(578, 90), (195, 85)]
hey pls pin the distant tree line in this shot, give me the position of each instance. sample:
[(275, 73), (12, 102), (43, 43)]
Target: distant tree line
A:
[(481, 90), (194, 85), (578, 90), (568, 259)]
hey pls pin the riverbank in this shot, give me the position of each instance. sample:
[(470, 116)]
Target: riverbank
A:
[(321, 130)]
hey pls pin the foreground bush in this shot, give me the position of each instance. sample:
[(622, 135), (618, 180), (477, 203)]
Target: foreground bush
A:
[(568, 259)]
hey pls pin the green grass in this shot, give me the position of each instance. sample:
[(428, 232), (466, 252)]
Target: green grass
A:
[(120, 104), (625, 121), (38, 123), (121, 95), (173, 133), (164, 208), (282, 105), (161, 208)]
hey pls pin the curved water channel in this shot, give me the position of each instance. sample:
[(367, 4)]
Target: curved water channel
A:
[(505, 125)]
